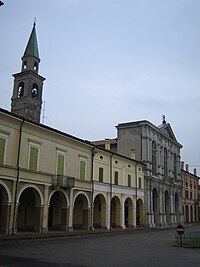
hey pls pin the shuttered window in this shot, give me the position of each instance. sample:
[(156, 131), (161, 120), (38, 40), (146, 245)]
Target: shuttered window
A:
[(82, 170), (140, 183), (101, 175), (33, 161), (60, 164), (116, 178), (2, 150), (129, 180)]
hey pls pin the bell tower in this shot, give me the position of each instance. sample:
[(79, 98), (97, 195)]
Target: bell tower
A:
[(26, 100)]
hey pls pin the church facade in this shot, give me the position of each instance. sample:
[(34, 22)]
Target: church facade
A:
[(50, 180), (158, 148)]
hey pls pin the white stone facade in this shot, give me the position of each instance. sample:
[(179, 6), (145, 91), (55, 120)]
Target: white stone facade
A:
[(158, 148)]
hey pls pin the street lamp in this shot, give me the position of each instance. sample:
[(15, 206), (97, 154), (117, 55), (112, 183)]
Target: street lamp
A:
[(1, 3)]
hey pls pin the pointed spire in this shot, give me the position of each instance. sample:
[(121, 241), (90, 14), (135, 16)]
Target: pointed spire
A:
[(32, 47)]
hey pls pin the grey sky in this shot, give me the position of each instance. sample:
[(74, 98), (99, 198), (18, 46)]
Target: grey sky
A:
[(110, 61)]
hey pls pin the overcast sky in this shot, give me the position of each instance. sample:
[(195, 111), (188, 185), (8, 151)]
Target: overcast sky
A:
[(108, 62)]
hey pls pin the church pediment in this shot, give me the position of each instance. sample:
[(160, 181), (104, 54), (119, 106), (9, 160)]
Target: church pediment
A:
[(167, 130)]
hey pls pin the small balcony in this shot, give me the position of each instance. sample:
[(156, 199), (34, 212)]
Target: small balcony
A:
[(62, 181)]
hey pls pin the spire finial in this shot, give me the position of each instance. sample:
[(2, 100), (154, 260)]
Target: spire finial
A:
[(34, 22)]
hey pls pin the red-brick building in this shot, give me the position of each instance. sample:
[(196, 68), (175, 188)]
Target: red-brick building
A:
[(191, 194)]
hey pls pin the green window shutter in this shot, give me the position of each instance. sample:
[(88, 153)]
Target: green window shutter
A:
[(2, 149), (60, 165), (101, 175), (140, 183), (82, 170), (33, 158), (116, 178), (129, 180)]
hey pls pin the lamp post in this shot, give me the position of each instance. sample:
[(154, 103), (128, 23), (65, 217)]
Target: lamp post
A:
[(1, 3)]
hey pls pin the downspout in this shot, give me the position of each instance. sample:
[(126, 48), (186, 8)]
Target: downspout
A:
[(92, 194), (110, 190), (136, 190), (17, 178)]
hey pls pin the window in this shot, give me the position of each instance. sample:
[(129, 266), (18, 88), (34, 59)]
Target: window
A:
[(2, 149), (34, 91), (116, 178), (165, 162), (129, 180), (33, 158), (35, 66), (60, 164), (140, 183), (175, 167), (154, 158), (20, 92), (186, 194), (101, 175), (25, 65), (82, 169)]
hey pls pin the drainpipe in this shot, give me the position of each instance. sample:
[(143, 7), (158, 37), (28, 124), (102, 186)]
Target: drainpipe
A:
[(110, 189), (17, 178), (92, 180), (136, 190)]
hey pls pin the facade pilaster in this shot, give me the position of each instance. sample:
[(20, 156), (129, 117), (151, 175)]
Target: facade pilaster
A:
[(161, 210), (134, 212), (122, 224), (108, 215), (70, 211), (45, 210)]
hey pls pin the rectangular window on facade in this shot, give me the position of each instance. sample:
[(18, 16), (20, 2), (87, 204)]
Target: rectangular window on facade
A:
[(154, 159), (2, 150), (60, 164), (82, 169), (101, 175), (175, 167), (129, 180), (116, 178), (140, 183), (33, 158), (165, 163)]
